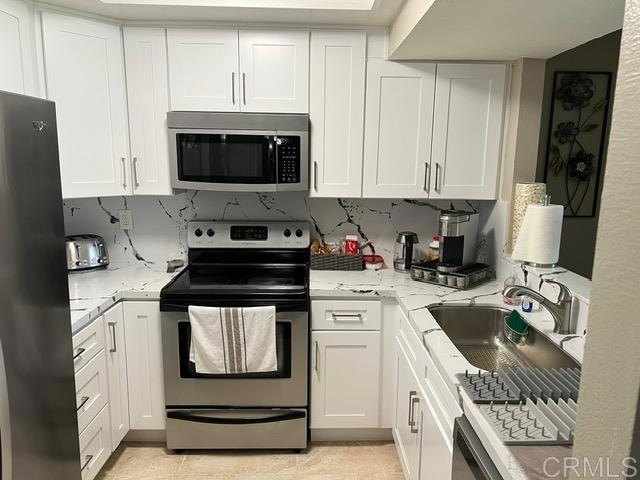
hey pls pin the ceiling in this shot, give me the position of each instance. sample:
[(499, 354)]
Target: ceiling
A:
[(330, 12), (499, 29)]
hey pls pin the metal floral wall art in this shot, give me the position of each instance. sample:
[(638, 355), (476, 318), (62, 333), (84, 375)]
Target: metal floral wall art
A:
[(576, 140)]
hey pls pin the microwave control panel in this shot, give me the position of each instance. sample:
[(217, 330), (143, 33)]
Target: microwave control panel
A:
[(288, 149)]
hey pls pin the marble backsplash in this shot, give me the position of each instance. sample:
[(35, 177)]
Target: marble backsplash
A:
[(159, 232)]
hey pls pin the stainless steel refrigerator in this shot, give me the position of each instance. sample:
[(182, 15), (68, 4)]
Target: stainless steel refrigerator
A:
[(38, 422)]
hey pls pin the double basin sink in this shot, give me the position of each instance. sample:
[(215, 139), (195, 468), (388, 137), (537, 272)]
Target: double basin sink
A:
[(477, 331)]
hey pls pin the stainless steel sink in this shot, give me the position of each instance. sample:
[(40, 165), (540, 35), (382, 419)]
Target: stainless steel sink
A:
[(477, 331)]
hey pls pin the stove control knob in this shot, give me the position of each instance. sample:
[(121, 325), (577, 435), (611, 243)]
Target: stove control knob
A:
[(210, 232), (198, 232), (287, 232), (298, 233)]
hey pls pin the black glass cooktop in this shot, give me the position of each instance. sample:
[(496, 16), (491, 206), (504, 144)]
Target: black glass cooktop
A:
[(239, 277)]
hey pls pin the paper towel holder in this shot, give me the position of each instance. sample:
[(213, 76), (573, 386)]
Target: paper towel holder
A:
[(524, 252)]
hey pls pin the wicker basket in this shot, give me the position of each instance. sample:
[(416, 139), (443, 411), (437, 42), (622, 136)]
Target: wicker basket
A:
[(336, 261)]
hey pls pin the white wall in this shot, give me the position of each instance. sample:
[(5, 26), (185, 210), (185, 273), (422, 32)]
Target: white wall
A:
[(607, 422)]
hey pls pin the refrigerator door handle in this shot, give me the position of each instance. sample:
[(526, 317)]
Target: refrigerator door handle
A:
[(5, 422)]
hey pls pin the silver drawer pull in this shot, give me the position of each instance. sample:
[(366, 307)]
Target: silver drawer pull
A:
[(337, 316), (410, 419), (415, 401), (83, 401), (87, 461), (112, 327), (79, 352), (316, 362), (136, 184)]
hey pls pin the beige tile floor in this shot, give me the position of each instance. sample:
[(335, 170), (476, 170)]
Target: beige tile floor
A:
[(321, 461)]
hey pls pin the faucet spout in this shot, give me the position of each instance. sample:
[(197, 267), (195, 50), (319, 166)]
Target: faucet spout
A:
[(560, 310)]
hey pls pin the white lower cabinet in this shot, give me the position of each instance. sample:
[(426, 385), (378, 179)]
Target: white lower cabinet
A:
[(95, 445), (117, 374), (144, 365), (436, 449), (406, 432), (345, 379)]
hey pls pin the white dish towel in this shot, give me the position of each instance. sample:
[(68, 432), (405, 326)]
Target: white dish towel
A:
[(233, 340)]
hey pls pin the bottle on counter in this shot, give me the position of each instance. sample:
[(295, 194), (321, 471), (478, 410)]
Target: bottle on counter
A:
[(433, 254), (509, 282)]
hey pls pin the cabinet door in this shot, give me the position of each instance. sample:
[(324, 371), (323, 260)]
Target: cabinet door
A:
[(16, 47), (203, 69), (436, 451), (345, 381), (144, 365), (406, 426), (336, 111), (467, 131), (274, 69), (398, 127), (117, 374), (145, 51), (84, 69)]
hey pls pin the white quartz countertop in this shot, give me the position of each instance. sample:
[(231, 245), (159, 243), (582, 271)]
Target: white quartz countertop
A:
[(92, 293)]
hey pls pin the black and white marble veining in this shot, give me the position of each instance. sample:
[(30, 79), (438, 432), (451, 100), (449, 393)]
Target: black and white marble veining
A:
[(160, 222)]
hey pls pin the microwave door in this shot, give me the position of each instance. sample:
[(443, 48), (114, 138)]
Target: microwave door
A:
[(223, 160)]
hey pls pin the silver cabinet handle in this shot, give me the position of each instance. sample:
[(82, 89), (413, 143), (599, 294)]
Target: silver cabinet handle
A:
[(410, 419), (112, 326), (315, 366), (83, 401), (438, 179), (79, 352), (135, 172), (123, 172), (337, 316), (244, 88), (427, 175), (87, 461), (315, 176), (415, 401), (233, 88)]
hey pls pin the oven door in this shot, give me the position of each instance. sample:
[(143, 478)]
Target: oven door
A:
[(286, 387), (470, 460), (224, 160)]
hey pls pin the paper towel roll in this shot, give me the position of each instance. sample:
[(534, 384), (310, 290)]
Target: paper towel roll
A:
[(525, 194), (539, 238)]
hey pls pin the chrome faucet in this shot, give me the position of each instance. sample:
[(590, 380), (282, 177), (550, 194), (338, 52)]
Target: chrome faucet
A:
[(560, 310)]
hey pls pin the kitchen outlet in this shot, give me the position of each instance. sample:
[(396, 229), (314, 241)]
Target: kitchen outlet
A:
[(126, 219)]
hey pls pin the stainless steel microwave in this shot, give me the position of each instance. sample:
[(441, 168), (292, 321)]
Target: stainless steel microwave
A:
[(243, 152)]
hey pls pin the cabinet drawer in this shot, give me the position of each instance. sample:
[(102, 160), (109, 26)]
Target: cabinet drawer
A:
[(87, 343), (346, 315), (91, 390), (95, 445)]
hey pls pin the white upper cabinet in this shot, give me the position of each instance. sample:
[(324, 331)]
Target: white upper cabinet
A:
[(148, 99), (467, 131), (203, 70), (274, 70), (85, 77), (16, 47), (336, 111), (397, 144)]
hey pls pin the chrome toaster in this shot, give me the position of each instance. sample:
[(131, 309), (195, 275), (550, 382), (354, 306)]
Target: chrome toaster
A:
[(86, 252)]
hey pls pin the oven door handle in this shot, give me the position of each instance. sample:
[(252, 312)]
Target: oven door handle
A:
[(191, 417)]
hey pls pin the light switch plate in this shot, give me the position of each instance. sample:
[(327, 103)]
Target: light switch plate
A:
[(126, 219)]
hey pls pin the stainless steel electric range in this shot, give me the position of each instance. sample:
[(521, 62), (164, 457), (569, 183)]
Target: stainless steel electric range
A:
[(240, 264)]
